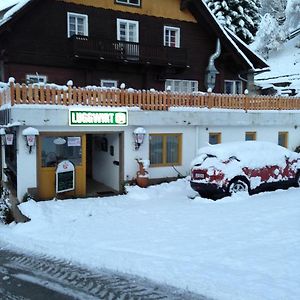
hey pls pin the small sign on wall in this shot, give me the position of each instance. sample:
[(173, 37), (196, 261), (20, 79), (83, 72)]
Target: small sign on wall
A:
[(65, 177), (9, 139)]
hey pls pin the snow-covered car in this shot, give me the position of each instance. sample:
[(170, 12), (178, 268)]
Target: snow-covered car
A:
[(250, 166)]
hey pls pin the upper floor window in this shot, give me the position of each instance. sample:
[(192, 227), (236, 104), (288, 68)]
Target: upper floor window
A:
[(182, 86), (233, 87), (77, 24), (172, 36), (35, 78), (127, 30), (130, 2)]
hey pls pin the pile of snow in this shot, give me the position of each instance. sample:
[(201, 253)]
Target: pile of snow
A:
[(238, 248)]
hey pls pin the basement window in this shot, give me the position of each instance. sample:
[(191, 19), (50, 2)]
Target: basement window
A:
[(233, 87), (35, 78), (181, 86)]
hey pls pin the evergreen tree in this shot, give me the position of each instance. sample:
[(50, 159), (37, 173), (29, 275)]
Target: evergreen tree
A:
[(241, 16)]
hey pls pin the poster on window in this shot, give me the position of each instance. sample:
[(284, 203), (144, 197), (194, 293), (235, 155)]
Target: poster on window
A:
[(74, 141), (9, 138)]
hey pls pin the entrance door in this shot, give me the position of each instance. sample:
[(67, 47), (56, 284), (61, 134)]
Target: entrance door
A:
[(104, 163)]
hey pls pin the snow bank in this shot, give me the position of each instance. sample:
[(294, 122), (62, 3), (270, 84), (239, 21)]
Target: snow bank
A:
[(238, 248)]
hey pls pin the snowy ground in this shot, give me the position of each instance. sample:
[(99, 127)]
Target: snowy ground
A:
[(237, 248)]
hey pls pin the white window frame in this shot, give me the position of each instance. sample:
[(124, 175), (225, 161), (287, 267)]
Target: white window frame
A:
[(234, 86), (85, 22), (104, 81), (119, 21), (36, 78), (177, 36), (172, 82), (128, 2)]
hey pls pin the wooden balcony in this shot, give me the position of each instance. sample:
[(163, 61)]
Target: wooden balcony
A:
[(146, 100), (116, 51)]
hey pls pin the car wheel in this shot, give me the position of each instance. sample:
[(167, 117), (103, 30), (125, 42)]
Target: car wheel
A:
[(238, 186)]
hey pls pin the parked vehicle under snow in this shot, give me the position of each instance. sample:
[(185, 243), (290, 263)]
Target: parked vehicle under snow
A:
[(250, 166)]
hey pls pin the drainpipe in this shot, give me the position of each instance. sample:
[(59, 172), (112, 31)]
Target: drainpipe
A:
[(211, 70)]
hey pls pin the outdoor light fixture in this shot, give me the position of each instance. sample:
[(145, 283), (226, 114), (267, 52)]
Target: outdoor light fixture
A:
[(139, 135), (30, 133)]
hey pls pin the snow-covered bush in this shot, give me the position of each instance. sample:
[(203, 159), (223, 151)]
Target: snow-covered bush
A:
[(269, 37), (5, 214)]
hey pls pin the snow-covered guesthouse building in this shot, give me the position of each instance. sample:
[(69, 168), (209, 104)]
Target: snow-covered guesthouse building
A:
[(63, 141), (142, 43)]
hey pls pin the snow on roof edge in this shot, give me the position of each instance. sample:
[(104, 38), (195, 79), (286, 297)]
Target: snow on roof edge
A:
[(9, 14), (245, 45)]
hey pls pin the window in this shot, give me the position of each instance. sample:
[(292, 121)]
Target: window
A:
[(58, 148), (129, 2), (109, 83), (77, 24), (250, 136), (283, 139), (172, 36), (183, 86), (165, 149), (30, 78), (233, 87), (214, 138), (127, 30)]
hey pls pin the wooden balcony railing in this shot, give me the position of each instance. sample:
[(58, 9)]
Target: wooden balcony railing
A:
[(119, 51), (145, 100)]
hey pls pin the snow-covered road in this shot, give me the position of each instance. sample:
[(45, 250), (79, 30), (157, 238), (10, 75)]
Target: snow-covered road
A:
[(236, 248)]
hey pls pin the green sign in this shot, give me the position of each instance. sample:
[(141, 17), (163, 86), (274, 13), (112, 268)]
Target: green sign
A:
[(98, 117)]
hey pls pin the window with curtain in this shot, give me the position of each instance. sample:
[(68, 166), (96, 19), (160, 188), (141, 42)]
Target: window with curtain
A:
[(165, 149)]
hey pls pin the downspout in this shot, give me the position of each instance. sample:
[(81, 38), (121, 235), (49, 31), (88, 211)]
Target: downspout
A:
[(211, 70)]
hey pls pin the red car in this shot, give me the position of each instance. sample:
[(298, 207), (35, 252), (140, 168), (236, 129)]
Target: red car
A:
[(250, 166)]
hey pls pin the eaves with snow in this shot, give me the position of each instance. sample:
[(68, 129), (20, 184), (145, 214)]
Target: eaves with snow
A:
[(284, 75)]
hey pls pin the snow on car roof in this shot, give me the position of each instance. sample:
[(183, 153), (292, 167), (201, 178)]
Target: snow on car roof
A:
[(252, 154)]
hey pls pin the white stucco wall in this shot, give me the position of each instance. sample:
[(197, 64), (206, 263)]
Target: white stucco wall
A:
[(194, 126), (26, 166), (104, 170)]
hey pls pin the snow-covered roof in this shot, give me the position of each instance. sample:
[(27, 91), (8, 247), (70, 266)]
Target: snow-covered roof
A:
[(15, 8), (5, 4), (284, 68)]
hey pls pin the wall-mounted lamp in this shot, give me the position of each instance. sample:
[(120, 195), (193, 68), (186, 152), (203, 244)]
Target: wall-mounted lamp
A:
[(139, 135), (30, 134)]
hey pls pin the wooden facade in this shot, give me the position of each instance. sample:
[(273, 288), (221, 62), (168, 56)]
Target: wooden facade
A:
[(40, 45)]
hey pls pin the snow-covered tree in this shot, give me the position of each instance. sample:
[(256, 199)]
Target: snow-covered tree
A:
[(292, 13), (275, 8), (269, 36), (241, 16)]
